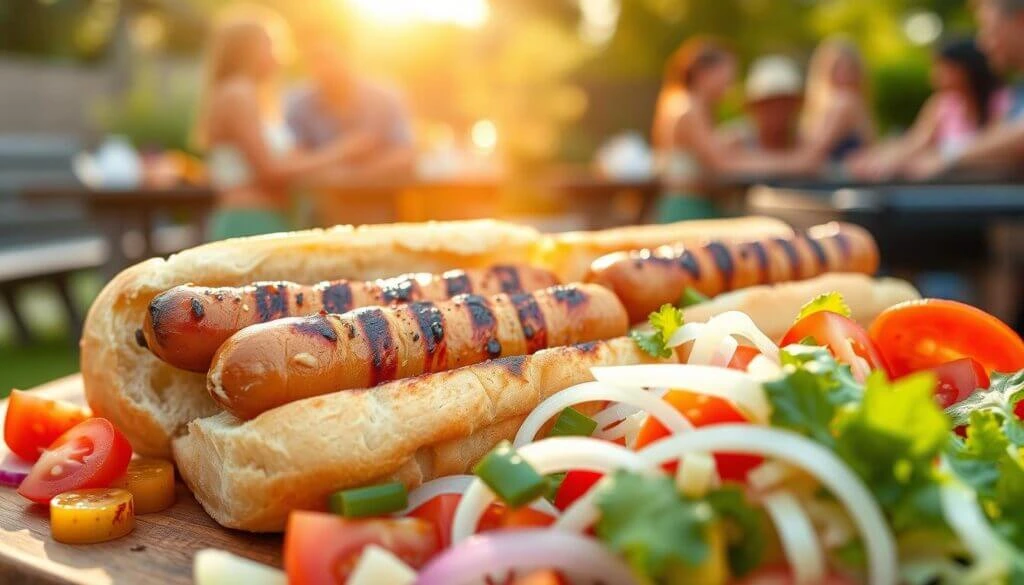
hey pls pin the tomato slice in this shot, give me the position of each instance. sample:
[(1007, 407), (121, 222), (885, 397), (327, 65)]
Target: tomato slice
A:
[(704, 410), (917, 335), (742, 358), (575, 484), (959, 379), (439, 511), (91, 454), (837, 332), (322, 549), (34, 422)]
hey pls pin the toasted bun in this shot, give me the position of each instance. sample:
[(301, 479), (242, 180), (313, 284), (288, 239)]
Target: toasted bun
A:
[(151, 401), (250, 475), (569, 255), (774, 307)]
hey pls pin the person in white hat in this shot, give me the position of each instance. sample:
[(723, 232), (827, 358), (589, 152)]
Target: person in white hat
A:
[(774, 96)]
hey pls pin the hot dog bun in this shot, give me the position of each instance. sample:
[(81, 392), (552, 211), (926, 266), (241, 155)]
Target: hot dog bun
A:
[(775, 307), (150, 401), (570, 254), (249, 475)]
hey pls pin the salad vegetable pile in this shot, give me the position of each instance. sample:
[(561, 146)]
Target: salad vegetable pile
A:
[(841, 455)]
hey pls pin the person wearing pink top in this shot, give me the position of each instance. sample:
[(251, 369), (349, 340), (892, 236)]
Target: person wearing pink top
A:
[(968, 99)]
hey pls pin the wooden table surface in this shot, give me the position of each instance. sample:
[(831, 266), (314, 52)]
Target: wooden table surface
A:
[(160, 550)]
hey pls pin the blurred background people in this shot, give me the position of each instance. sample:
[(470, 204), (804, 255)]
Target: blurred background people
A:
[(339, 103), (1000, 148), (968, 99), (774, 96), (250, 152), (690, 155), (836, 121)]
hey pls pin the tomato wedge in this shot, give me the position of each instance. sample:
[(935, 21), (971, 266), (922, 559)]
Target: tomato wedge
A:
[(917, 335), (742, 358), (34, 422), (575, 484), (704, 410), (840, 335), (959, 379), (439, 511), (91, 454), (322, 549)]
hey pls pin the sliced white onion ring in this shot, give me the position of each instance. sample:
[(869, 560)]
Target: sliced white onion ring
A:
[(964, 516), (552, 455), (618, 411), (729, 323), (629, 426), (731, 385), (810, 456), (470, 562), (591, 391), (799, 540), (724, 352)]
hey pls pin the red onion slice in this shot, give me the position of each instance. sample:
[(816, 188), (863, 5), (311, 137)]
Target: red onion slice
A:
[(523, 551), (13, 470)]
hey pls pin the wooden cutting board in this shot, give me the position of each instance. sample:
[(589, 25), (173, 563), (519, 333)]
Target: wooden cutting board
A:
[(159, 551)]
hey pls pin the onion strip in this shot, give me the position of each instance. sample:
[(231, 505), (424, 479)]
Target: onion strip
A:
[(730, 323), (580, 558), (591, 391), (553, 455), (799, 540), (734, 386), (846, 486), (965, 518), (457, 485)]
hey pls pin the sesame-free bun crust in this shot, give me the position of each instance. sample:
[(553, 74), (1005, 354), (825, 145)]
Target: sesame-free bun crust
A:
[(151, 401), (249, 475), (775, 307)]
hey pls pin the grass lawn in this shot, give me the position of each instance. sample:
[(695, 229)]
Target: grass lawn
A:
[(51, 354)]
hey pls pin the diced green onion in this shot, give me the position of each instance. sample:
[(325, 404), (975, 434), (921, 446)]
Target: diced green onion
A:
[(375, 500), (554, 483), (573, 423), (510, 477), (692, 296)]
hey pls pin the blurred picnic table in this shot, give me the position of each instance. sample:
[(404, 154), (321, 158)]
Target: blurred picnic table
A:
[(970, 224)]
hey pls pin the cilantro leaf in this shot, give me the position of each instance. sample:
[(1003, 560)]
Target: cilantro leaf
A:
[(646, 520), (664, 322), (746, 540), (830, 301), (812, 388), (891, 440)]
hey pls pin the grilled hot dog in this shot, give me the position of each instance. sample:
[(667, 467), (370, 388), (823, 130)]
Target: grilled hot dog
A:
[(185, 325), (646, 279), (274, 363)]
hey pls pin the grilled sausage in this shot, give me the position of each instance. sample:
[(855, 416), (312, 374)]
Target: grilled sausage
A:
[(271, 364), (646, 279), (186, 324)]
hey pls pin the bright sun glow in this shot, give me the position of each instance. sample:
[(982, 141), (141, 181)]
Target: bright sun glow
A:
[(484, 135), (467, 13)]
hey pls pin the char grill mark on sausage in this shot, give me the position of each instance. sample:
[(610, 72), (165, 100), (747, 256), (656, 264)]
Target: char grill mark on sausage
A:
[(383, 352), (317, 325), (400, 290), (431, 324), (819, 251), (485, 326), (762, 258), (688, 262), (271, 301), (843, 243), (587, 347), (456, 283), (723, 261), (337, 297), (532, 320), (508, 276), (198, 312), (160, 309), (140, 339), (571, 296), (299, 298), (791, 255)]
